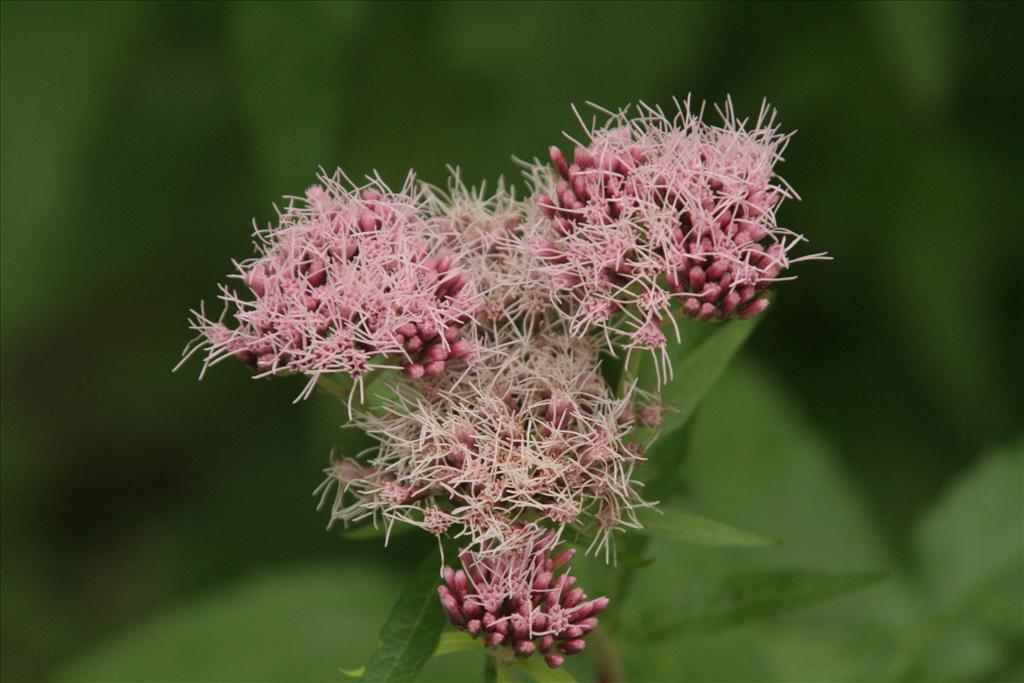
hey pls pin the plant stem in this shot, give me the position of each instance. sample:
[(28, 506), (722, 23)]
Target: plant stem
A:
[(342, 385), (335, 387), (490, 669), (608, 660)]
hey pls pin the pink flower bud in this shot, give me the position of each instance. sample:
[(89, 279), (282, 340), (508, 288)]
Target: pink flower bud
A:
[(554, 660), (573, 646), (753, 309), (414, 370), (558, 159)]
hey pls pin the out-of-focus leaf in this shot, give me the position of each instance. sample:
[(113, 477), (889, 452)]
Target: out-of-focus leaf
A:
[(971, 551), (456, 641), (759, 463), (696, 371), (503, 673), (611, 369), (448, 643), (753, 596), (412, 630), (976, 529), (632, 547), (379, 392), (291, 625), (682, 526), (537, 669)]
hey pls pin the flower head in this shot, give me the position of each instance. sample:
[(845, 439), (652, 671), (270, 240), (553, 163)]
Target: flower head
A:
[(529, 434), (520, 598), (488, 230), (657, 208), (351, 278)]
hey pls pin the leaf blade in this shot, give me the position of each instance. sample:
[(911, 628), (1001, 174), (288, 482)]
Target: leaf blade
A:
[(456, 641), (754, 596), (537, 669), (412, 630), (695, 372), (677, 525)]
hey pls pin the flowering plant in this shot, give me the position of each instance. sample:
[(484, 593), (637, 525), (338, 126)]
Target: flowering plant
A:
[(521, 363)]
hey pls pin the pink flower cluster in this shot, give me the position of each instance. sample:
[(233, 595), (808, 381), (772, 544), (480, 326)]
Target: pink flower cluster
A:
[(352, 278), (531, 434), (501, 431), (518, 598), (511, 284), (656, 208)]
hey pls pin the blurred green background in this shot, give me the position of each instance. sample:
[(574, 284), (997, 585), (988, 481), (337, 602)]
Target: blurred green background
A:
[(158, 527)]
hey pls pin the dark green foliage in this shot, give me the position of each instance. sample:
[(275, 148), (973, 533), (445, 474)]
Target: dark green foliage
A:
[(409, 636), (761, 595)]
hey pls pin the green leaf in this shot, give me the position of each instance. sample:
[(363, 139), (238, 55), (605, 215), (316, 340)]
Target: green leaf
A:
[(537, 669), (678, 525), (412, 630), (633, 547), (695, 372), (294, 625), (449, 643), (753, 596), (456, 641), (611, 369), (976, 528), (759, 463), (379, 391), (971, 551), (503, 672)]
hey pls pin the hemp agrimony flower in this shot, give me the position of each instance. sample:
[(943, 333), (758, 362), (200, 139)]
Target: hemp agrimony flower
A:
[(655, 209), (503, 433), (530, 433), (488, 230), (519, 599), (352, 278)]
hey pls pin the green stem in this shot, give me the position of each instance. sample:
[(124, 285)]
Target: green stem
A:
[(342, 385), (609, 661), (336, 387), (490, 669)]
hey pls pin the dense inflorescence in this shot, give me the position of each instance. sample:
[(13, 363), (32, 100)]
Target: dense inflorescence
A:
[(530, 434), (487, 230), (655, 209), (501, 433), (522, 598), (350, 279)]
